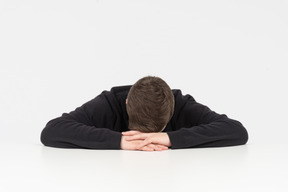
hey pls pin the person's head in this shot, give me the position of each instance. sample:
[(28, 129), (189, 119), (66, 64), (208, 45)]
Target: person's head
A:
[(150, 105)]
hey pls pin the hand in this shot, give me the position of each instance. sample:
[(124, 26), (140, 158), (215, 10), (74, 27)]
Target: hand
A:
[(148, 138), (132, 145)]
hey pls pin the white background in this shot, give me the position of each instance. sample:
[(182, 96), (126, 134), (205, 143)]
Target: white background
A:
[(229, 55)]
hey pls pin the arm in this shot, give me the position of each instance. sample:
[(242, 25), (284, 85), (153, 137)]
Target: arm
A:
[(82, 128), (202, 127)]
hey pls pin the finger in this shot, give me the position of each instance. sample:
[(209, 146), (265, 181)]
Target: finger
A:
[(157, 147), (146, 148), (163, 147), (137, 137), (147, 141), (130, 133), (150, 147), (153, 147)]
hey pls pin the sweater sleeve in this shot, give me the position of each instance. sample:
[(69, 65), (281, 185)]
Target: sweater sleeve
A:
[(83, 128), (202, 127)]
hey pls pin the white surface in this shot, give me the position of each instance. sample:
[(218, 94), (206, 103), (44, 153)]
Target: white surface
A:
[(230, 55), (243, 168)]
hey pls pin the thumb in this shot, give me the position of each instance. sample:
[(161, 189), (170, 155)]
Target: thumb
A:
[(130, 133)]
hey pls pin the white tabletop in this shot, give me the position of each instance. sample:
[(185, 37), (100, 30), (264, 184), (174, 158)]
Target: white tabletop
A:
[(242, 168)]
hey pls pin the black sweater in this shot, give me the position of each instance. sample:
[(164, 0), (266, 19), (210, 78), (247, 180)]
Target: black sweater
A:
[(98, 124)]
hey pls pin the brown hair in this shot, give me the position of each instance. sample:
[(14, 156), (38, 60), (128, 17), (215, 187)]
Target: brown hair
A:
[(150, 104)]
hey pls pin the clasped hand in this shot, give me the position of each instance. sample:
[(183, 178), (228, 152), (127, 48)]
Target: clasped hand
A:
[(136, 140)]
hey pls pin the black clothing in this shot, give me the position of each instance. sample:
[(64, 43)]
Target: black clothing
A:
[(98, 124)]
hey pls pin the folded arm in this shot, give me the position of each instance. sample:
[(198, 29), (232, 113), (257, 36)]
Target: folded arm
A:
[(208, 129), (84, 127), (63, 132)]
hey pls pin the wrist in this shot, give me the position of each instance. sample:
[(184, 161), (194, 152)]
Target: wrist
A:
[(168, 141), (122, 142)]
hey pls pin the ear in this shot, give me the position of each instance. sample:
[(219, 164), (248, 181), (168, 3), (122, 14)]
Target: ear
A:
[(126, 101)]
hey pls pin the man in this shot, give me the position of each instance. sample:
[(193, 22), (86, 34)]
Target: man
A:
[(151, 117)]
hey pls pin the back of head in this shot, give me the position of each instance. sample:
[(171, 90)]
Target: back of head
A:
[(150, 105)]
